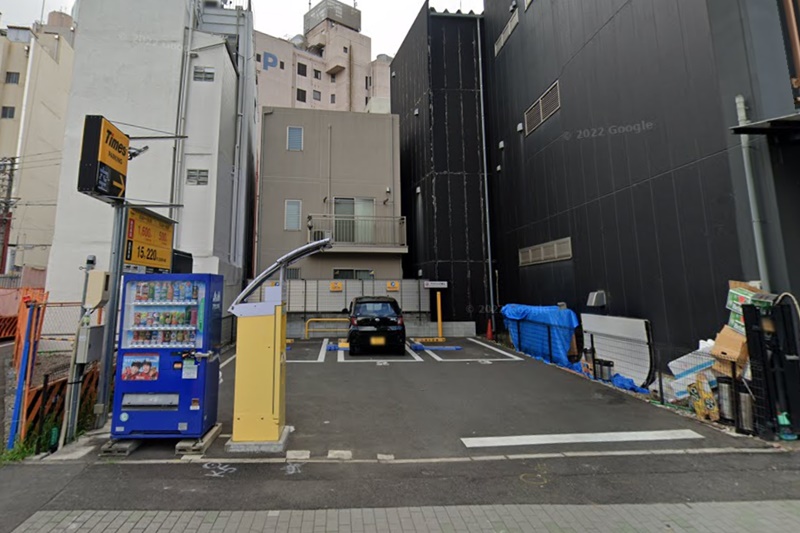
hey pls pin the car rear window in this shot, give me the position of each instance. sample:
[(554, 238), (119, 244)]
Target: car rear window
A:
[(383, 309)]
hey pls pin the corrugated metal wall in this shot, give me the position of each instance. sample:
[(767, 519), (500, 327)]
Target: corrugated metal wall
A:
[(435, 90)]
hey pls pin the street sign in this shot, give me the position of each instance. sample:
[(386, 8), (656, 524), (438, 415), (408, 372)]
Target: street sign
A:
[(434, 284), (149, 239), (392, 286), (104, 160)]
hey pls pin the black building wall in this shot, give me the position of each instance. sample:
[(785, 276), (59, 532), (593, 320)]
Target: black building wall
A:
[(658, 214), (436, 93)]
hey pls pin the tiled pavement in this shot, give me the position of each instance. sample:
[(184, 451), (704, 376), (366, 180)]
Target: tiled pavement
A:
[(705, 517)]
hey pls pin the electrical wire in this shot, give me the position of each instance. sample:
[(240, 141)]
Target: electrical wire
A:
[(142, 127)]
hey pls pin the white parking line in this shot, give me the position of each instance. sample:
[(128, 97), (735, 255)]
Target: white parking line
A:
[(484, 361), (580, 438), (227, 361), (322, 353), (502, 352), (417, 359)]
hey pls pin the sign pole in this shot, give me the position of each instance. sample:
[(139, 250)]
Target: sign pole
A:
[(109, 334)]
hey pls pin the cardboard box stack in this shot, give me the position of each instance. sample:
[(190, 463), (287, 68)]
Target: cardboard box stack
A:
[(731, 343)]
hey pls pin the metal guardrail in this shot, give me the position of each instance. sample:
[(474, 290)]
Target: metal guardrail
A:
[(350, 230), (325, 330)]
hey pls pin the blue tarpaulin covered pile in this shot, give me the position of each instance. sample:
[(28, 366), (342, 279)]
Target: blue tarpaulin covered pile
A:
[(542, 332)]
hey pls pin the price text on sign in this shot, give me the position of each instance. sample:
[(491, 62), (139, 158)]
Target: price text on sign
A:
[(149, 241)]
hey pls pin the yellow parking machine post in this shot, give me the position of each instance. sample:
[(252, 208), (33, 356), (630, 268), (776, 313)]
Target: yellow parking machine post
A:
[(259, 402)]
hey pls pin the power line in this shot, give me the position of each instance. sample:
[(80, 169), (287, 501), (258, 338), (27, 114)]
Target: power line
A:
[(143, 127)]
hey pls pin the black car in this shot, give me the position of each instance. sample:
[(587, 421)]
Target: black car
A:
[(376, 324)]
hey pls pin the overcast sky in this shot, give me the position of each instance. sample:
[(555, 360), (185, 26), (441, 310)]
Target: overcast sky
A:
[(385, 21)]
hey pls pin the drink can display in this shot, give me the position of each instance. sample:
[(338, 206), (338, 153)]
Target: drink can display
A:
[(137, 319), (170, 292), (149, 321), (193, 319), (188, 288), (151, 291), (194, 291), (192, 337)]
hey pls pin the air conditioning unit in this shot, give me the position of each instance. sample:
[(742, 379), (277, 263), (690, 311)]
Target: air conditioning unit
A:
[(319, 234)]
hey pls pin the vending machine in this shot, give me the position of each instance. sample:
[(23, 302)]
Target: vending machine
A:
[(167, 375)]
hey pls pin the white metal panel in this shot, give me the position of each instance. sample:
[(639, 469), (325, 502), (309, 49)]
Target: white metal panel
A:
[(625, 341), (330, 302), (353, 289), (312, 296)]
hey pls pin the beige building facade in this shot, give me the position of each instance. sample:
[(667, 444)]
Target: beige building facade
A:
[(329, 67), (37, 73), (328, 174)]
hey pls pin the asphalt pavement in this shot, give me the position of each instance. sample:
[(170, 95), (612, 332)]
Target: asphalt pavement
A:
[(415, 412)]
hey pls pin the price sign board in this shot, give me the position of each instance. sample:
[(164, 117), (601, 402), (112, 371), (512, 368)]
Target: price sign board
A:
[(148, 249)]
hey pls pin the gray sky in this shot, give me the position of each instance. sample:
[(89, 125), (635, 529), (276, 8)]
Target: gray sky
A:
[(385, 21)]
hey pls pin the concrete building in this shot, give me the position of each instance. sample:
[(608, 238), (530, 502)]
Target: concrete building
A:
[(614, 165), (189, 71), (41, 138), (332, 174), (436, 93), (329, 67)]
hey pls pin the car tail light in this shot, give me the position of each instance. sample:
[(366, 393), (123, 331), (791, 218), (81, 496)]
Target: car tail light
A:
[(353, 321), (400, 321)]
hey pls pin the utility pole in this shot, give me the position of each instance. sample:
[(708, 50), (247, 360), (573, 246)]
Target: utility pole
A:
[(7, 167)]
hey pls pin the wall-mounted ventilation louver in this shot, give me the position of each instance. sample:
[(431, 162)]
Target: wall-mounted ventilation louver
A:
[(549, 252), (513, 22), (545, 107)]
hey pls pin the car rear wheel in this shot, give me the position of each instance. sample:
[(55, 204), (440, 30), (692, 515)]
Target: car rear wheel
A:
[(354, 349)]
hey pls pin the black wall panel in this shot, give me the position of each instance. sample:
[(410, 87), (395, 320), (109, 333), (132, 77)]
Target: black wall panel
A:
[(437, 73), (650, 209)]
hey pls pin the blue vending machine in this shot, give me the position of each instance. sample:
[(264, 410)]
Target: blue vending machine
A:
[(167, 376)]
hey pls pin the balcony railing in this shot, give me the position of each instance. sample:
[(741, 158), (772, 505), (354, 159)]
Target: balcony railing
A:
[(358, 231)]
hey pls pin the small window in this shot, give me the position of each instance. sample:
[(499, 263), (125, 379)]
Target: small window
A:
[(366, 83), (196, 177), (345, 50), (366, 100), (355, 274), (301, 95), (283, 65), (333, 98), (302, 69), (203, 73), (333, 78), (294, 139), (292, 215), (317, 95), (317, 74), (12, 77), (8, 112), (258, 58), (292, 273)]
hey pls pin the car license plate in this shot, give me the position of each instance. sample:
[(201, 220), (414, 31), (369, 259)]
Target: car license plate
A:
[(377, 341)]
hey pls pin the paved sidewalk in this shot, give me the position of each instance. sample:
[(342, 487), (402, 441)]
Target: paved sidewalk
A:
[(723, 517)]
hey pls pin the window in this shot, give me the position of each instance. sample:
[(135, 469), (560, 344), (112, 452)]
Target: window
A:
[(366, 83), (351, 273), (258, 58), (294, 139), (196, 177), (8, 112), (12, 77), (292, 213), (302, 69), (301, 95), (345, 50), (354, 220), (333, 78), (333, 98), (283, 65), (366, 101), (317, 74), (317, 95), (203, 73), (292, 273)]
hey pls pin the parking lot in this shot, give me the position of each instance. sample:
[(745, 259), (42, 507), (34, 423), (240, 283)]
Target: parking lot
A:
[(467, 398)]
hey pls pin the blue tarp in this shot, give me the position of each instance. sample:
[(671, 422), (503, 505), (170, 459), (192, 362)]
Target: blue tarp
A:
[(542, 332)]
